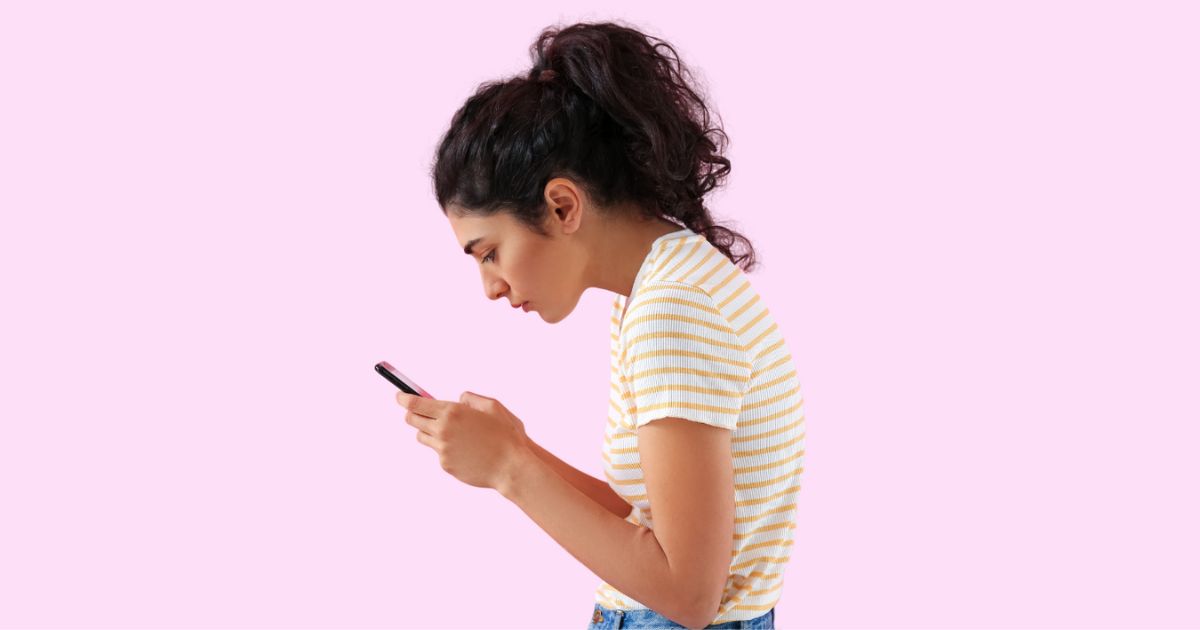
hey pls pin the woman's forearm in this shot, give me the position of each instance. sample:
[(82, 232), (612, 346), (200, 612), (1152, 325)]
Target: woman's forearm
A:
[(624, 555), (597, 489)]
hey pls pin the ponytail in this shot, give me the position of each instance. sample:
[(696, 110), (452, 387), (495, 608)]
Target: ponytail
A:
[(606, 105)]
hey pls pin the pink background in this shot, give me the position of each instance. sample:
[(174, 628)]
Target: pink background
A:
[(978, 227)]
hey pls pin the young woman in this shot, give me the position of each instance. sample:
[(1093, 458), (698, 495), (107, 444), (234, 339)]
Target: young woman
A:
[(590, 171)]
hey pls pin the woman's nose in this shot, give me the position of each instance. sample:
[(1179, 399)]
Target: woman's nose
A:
[(494, 290)]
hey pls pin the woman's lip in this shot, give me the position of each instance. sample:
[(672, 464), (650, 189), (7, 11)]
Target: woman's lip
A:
[(525, 306)]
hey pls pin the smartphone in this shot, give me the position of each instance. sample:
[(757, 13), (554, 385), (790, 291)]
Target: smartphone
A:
[(394, 376)]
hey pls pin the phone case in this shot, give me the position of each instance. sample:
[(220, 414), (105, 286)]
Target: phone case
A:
[(405, 384)]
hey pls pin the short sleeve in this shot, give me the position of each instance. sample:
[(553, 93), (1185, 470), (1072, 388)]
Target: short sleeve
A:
[(681, 358)]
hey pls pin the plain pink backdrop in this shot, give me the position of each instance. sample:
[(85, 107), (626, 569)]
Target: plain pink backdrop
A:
[(978, 230)]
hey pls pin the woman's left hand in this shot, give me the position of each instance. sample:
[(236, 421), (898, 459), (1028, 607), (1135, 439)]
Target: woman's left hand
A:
[(478, 440)]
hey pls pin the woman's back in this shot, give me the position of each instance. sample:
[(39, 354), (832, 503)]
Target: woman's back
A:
[(698, 343)]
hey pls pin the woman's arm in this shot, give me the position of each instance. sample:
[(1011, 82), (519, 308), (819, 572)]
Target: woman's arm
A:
[(623, 554), (597, 489)]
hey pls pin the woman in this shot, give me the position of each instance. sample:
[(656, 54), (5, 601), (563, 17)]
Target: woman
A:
[(590, 172)]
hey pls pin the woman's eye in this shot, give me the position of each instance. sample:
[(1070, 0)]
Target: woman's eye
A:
[(491, 256)]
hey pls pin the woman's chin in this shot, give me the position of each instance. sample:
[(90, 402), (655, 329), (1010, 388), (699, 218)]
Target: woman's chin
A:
[(553, 316)]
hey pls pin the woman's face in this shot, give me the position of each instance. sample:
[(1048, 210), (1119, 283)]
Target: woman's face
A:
[(519, 265)]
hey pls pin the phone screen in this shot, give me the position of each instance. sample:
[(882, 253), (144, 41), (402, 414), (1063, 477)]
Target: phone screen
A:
[(394, 376)]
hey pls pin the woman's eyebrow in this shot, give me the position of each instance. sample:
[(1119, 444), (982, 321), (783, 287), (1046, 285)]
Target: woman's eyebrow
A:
[(471, 245)]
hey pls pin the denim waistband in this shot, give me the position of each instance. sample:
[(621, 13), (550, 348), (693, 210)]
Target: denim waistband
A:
[(608, 619)]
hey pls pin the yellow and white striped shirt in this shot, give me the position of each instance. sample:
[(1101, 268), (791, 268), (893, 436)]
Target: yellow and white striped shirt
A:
[(697, 343)]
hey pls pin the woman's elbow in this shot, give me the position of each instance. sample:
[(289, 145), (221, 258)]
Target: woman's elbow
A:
[(703, 611)]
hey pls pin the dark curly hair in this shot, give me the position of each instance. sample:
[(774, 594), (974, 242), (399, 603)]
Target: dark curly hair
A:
[(605, 105)]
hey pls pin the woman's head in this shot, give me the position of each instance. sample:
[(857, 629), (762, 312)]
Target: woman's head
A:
[(606, 119)]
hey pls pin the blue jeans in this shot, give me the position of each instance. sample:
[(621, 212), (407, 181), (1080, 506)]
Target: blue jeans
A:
[(606, 619)]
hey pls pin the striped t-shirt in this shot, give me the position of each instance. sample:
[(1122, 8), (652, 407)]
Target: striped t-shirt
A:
[(698, 343)]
